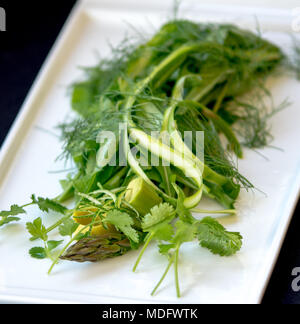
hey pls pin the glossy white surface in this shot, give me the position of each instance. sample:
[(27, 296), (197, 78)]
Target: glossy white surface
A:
[(29, 153)]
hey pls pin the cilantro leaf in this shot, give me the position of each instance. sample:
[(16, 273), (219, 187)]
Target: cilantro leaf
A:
[(66, 183), (124, 223), (86, 183), (79, 236), (157, 225), (38, 253), (183, 213), (53, 244), (158, 214), (46, 204), (37, 230), (157, 222), (68, 227), (213, 236), (185, 232), (164, 249), (162, 231)]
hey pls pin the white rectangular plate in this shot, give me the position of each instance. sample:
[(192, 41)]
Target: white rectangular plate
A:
[(29, 153)]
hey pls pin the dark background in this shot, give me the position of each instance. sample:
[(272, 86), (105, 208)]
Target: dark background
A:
[(32, 28)]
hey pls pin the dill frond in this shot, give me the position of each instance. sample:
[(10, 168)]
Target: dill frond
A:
[(233, 61), (295, 58), (253, 118)]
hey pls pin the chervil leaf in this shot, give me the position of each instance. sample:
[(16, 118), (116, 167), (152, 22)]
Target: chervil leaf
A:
[(124, 223), (213, 235), (37, 230), (68, 227), (38, 253), (158, 214), (46, 204)]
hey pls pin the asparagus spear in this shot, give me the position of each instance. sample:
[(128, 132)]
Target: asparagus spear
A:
[(97, 248)]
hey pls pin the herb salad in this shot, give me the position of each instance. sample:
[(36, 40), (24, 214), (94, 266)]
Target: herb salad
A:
[(189, 77)]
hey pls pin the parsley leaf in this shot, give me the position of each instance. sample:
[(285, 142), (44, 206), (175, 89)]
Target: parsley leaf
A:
[(46, 204), (124, 223), (37, 230), (213, 236)]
